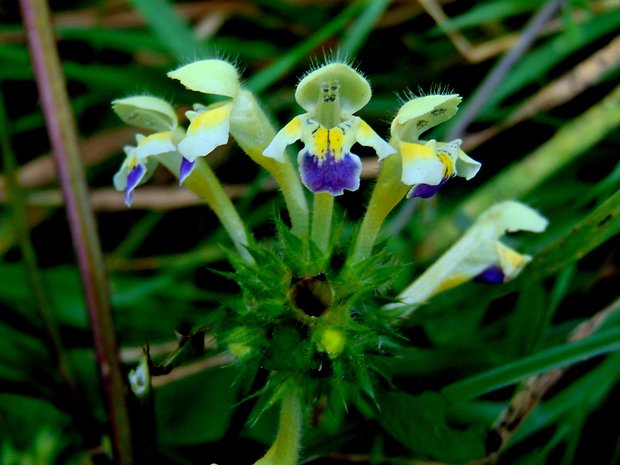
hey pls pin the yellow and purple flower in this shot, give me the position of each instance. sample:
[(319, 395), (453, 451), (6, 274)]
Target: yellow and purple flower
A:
[(479, 255), (153, 114), (330, 95), (209, 125), (427, 165)]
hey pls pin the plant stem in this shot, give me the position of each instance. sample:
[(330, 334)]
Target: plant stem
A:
[(427, 284), (285, 449), (253, 132), (207, 186), (388, 191), (322, 220), (62, 133)]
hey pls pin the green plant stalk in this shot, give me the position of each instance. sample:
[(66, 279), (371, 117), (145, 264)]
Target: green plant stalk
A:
[(285, 449), (597, 383), (170, 28), (138, 234), (356, 34), (322, 218), (62, 133), (568, 144), (17, 202), (426, 285), (207, 186), (263, 79), (555, 357), (596, 228), (388, 191), (253, 132)]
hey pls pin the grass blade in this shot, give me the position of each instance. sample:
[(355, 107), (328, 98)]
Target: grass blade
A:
[(567, 354), (168, 26)]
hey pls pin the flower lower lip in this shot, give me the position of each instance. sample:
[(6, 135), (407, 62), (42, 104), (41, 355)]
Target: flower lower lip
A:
[(133, 179), (186, 169), (329, 174)]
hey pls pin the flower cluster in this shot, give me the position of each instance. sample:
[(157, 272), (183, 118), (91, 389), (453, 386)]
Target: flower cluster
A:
[(330, 95), (308, 319)]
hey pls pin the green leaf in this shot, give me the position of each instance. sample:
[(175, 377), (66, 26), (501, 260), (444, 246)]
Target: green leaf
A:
[(125, 39), (171, 29), (483, 13), (197, 408), (355, 36), (597, 384), (112, 79), (418, 422), (21, 417), (602, 224), (561, 356)]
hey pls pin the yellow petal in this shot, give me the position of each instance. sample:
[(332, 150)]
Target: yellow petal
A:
[(365, 135), (510, 261), (466, 167), (155, 144), (420, 164), (208, 129), (288, 135)]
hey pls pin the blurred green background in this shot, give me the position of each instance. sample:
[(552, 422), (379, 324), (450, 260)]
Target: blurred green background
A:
[(541, 110)]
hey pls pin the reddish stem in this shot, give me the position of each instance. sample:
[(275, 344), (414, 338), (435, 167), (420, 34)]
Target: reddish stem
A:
[(62, 133)]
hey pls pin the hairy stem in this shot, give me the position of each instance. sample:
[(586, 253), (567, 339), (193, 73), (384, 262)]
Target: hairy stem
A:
[(253, 132), (322, 220), (388, 191), (285, 449), (207, 186)]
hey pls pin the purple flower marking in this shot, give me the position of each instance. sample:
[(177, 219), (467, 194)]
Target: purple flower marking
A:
[(133, 179), (186, 169), (330, 175), (425, 191), (492, 275)]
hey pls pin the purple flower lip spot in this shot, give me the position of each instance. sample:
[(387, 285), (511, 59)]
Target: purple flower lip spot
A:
[(186, 169), (492, 275), (424, 191), (133, 179), (329, 174)]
